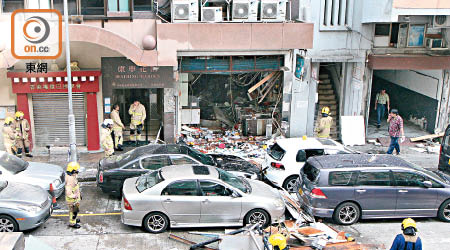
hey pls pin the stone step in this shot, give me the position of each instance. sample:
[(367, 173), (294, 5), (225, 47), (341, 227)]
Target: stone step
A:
[(327, 102), (331, 107), (323, 76), (327, 97), (324, 81), (325, 86), (326, 92)]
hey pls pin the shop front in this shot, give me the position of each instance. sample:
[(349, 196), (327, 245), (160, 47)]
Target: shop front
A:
[(123, 82), (43, 98)]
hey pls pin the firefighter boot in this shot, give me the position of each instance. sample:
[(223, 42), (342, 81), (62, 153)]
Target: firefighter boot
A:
[(27, 152), (19, 152)]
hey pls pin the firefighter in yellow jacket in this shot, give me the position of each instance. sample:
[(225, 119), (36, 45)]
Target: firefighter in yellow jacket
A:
[(9, 135), (323, 131), (73, 193), (138, 115), (117, 128), (105, 137), (22, 128)]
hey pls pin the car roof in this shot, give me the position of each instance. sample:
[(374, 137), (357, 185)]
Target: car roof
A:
[(310, 142), (355, 160), (189, 172), (157, 149)]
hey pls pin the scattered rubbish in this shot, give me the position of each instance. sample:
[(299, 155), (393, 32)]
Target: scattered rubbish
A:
[(187, 242), (425, 137), (433, 149), (420, 150)]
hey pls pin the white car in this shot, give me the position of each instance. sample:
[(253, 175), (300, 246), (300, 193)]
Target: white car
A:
[(285, 158)]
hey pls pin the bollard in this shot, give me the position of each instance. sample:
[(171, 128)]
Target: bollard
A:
[(52, 193)]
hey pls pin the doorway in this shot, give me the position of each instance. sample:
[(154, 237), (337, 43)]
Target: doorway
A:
[(153, 103)]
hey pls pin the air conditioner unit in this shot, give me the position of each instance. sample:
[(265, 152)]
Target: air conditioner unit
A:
[(434, 43), (184, 11), (212, 14), (245, 10), (273, 10), (441, 21)]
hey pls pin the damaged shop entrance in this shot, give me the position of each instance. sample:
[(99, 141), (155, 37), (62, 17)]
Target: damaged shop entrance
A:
[(240, 96)]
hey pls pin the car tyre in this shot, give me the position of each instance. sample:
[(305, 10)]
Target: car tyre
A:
[(156, 223), (444, 211), (347, 213), (257, 216), (8, 224), (290, 184)]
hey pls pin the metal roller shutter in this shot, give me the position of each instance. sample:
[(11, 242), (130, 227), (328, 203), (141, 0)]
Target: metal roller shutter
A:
[(50, 113)]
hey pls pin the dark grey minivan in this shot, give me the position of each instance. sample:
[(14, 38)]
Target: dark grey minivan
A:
[(349, 187)]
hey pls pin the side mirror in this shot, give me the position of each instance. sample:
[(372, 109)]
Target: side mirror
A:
[(427, 184), (301, 156)]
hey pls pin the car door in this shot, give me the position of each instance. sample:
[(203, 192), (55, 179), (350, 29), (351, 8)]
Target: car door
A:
[(444, 157), (218, 204), (116, 177), (182, 160), (181, 201), (154, 162), (413, 198), (375, 193)]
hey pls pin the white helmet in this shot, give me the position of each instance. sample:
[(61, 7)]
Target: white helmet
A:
[(108, 122)]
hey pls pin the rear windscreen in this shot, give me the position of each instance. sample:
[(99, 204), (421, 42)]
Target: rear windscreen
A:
[(276, 152), (310, 172)]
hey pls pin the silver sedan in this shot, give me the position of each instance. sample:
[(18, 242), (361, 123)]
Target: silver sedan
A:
[(198, 196), (22, 206), (14, 169)]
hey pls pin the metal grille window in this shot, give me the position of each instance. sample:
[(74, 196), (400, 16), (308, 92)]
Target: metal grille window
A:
[(51, 123), (336, 14)]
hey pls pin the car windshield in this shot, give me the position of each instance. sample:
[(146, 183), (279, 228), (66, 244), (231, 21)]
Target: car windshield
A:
[(234, 181), (147, 181), (12, 163), (435, 175), (276, 152), (3, 184), (203, 158)]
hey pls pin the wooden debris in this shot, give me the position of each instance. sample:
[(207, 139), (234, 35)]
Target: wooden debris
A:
[(187, 242), (310, 231), (426, 137), (265, 79)]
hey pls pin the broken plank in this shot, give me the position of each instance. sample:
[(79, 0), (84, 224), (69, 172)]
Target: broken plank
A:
[(265, 79), (425, 137), (187, 242)]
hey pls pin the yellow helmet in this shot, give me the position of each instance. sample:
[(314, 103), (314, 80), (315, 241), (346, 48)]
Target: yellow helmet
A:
[(19, 114), (408, 222), (8, 120), (278, 240), (73, 166), (326, 110)]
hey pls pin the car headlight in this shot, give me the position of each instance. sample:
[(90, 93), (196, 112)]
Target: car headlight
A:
[(56, 183), (278, 203), (31, 209)]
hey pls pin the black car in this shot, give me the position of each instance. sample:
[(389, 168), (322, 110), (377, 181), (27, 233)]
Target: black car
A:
[(113, 171)]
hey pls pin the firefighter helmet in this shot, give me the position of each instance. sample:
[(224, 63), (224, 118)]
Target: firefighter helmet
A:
[(73, 166), (326, 110), (8, 120)]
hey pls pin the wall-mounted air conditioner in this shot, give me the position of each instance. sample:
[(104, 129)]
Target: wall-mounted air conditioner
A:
[(212, 14), (273, 10), (441, 21), (245, 10), (184, 11), (435, 43)]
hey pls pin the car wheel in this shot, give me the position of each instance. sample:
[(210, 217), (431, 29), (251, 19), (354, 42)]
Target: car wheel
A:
[(156, 223), (8, 224), (258, 216), (347, 213), (444, 211), (290, 184)]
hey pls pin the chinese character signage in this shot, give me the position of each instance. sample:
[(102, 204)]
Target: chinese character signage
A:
[(121, 73)]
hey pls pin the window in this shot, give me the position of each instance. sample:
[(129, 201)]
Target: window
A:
[(181, 160), (301, 156), (118, 5), (39, 4), (92, 7), (376, 178), (143, 5), (155, 162), (313, 152), (148, 180), (336, 14), (310, 172), (186, 188), (340, 178), (234, 181), (210, 188), (407, 179), (201, 157), (133, 165), (382, 29), (11, 5), (71, 6), (276, 152)]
